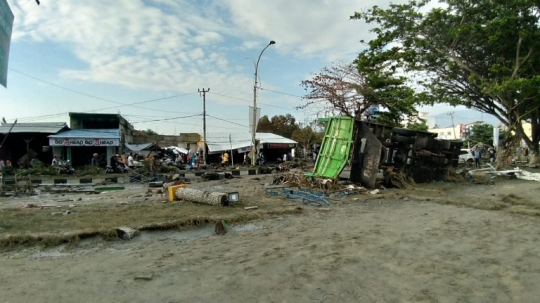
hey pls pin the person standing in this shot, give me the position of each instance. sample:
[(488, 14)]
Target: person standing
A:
[(477, 156), (130, 162), (225, 158), (492, 155), (54, 160), (284, 157), (95, 160)]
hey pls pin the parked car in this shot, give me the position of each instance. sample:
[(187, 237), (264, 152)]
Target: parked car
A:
[(466, 156)]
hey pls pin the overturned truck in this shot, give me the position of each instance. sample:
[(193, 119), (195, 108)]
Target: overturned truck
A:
[(372, 150)]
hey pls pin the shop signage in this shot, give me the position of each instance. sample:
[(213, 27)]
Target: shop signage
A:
[(83, 142), (244, 149), (280, 145)]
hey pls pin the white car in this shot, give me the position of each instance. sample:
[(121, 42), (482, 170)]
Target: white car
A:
[(466, 156)]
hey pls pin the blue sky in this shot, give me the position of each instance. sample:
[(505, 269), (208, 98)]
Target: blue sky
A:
[(147, 59)]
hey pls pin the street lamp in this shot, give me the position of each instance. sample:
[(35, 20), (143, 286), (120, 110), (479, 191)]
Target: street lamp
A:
[(254, 130)]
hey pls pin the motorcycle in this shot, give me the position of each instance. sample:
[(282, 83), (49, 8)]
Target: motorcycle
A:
[(118, 169)]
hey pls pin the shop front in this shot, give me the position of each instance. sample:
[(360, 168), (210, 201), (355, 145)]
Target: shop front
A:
[(78, 145), (273, 151)]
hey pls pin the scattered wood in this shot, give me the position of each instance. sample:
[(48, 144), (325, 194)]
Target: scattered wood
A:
[(147, 277), (322, 209), (251, 207)]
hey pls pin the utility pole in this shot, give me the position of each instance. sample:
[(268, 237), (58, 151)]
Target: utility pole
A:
[(451, 114), (203, 93)]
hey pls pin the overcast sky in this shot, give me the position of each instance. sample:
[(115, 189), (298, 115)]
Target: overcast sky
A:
[(147, 59)]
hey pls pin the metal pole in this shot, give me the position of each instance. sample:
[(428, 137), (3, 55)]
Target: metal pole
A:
[(254, 114), (12, 125), (204, 122)]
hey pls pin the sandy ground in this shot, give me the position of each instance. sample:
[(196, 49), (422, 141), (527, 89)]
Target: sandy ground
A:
[(398, 248), (442, 242)]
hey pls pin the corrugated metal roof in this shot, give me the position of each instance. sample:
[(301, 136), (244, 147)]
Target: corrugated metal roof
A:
[(43, 127), (220, 142), (89, 133)]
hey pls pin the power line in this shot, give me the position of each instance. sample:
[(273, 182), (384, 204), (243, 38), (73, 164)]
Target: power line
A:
[(120, 104), (281, 93), (166, 119), (227, 121), (250, 101)]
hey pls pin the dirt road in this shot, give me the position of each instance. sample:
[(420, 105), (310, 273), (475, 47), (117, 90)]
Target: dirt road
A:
[(397, 250)]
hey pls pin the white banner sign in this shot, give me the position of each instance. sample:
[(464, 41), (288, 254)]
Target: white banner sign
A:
[(83, 142)]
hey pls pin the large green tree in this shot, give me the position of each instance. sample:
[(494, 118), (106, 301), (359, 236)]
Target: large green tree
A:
[(283, 125), (481, 133), (418, 124), (483, 54), (350, 89)]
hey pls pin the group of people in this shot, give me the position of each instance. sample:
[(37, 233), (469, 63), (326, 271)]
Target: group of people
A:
[(4, 164), (477, 153)]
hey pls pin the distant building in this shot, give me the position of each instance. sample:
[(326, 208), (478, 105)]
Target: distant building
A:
[(104, 134), (25, 137), (449, 133)]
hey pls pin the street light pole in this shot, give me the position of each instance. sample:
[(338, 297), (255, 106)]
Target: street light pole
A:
[(254, 120)]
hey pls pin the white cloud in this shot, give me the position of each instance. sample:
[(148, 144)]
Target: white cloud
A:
[(176, 45)]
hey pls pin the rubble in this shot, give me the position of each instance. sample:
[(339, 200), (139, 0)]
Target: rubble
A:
[(126, 233)]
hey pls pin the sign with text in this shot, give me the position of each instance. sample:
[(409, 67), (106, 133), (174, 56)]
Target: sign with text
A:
[(281, 145), (6, 25), (83, 142)]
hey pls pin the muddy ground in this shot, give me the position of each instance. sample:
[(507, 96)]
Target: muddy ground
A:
[(441, 242)]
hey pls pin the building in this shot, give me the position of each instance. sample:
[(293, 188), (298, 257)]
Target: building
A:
[(19, 139), (273, 146), (104, 134), (449, 133)]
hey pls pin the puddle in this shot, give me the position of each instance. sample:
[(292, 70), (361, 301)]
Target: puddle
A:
[(51, 253), (96, 243), (247, 227)]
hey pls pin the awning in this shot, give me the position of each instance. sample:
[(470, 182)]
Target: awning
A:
[(140, 147), (242, 141)]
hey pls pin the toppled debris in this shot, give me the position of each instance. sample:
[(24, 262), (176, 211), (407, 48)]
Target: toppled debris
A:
[(126, 233), (216, 176), (201, 196), (155, 184), (147, 277), (221, 227), (525, 175), (304, 196)]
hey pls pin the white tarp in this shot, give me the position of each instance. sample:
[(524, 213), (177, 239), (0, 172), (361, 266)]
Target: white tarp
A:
[(525, 175), (178, 150), (222, 142)]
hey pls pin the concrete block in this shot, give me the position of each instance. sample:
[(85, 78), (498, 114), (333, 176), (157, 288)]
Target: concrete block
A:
[(85, 180), (112, 179), (60, 181)]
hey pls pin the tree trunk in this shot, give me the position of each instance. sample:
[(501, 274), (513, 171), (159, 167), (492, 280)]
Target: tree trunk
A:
[(533, 157), (505, 152)]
